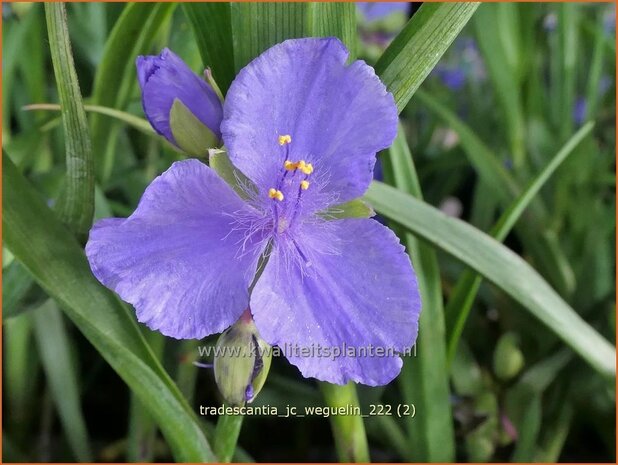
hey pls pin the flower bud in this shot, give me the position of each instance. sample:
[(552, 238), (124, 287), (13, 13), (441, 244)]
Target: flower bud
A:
[(508, 359), (242, 361), (179, 104)]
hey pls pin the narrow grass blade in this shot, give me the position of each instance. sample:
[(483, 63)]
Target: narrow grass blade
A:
[(415, 51), (15, 284), (257, 26), (116, 77), (186, 376), (19, 387), (55, 352), (499, 265), (77, 208), (523, 405), (424, 379), (497, 33), (212, 27), (544, 248), (568, 30), (593, 86), (386, 429), (142, 427), (58, 264), (348, 430), (467, 286), (134, 121), (335, 19), (555, 436)]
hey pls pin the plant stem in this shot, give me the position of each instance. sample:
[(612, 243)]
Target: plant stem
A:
[(226, 436), (348, 430)]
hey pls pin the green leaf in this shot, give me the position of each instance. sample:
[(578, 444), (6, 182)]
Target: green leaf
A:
[(190, 134), (522, 402), (499, 265), (497, 35), (230, 35), (335, 19), (143, 431), (77, 206), (116, 76), (21, 389), (555, 436), (541, 244), (568, 37), (16, 281), (38, 240), (415, 51), (212, 27), (55, 352), (424, 378), (468, 284), (257, 26)]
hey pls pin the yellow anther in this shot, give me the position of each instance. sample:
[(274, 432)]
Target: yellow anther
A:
[(290, 166), (307, 168), (304, 185), (285, 139), (275, 194)]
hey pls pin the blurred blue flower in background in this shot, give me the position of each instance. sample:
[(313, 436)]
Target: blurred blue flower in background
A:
[(609, 19), (373, 11), (461, 65), (380, 22), (453, 78), (579, 110)]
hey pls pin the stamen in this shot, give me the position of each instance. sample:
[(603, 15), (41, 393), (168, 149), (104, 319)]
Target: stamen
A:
[(275, 194), (285, 139), (306, 168), (290, 166), (304, 185)]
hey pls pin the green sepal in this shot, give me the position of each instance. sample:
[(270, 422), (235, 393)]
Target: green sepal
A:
[(220, 162), (356, 208), (190, 134), (211, 81)]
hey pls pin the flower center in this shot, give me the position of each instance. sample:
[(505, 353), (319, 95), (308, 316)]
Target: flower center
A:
[(286, 195)]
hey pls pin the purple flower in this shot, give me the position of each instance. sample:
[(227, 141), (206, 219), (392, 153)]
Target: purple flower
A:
[(373, 11), (305, 129), (453, 78), (165, 78), (579, 110), (609, 20)]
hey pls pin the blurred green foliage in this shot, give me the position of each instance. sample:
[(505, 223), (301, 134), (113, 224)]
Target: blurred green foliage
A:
[(518, 81)]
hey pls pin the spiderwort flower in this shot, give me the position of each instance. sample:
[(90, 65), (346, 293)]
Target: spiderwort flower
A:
[(304, 128), (166, 79)]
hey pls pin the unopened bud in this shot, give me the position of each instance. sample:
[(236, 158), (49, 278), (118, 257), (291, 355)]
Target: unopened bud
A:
[(508, 359), (242, 361)]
